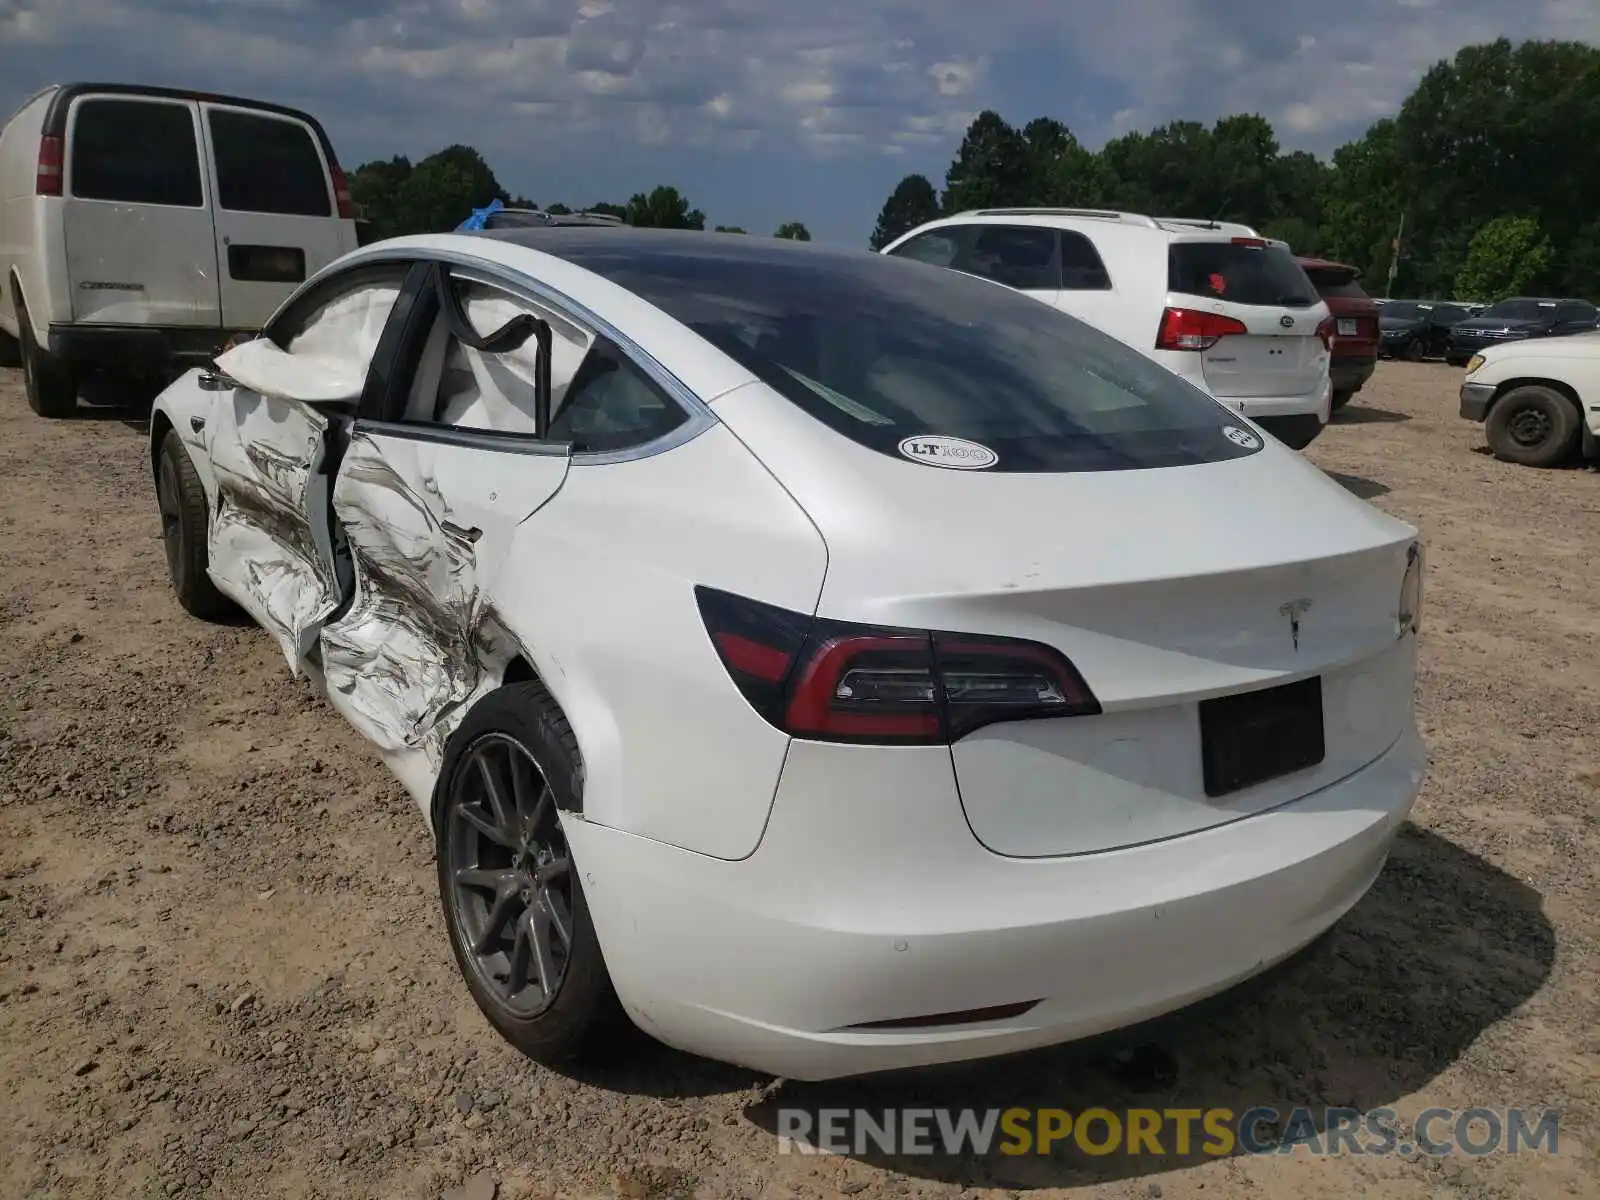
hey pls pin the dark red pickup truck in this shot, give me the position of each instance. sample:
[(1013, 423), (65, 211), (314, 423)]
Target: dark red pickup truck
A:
[(1355, 315)]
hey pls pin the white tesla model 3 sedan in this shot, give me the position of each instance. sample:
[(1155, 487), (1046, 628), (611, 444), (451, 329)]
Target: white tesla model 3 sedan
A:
[(829, 661)]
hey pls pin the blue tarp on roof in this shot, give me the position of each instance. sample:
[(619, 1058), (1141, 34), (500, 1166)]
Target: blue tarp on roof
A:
[(479, 216)]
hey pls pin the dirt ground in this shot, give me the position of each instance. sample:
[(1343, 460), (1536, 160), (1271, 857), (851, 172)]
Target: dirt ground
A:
[(223, 971)]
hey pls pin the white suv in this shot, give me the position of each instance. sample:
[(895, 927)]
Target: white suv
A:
[(1214, 302)]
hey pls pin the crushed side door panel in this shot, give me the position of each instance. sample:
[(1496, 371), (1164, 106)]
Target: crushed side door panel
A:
[(426, 525), (267, 549)]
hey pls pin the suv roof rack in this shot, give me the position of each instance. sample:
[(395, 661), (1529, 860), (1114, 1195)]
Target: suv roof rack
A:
[(1098, 214)]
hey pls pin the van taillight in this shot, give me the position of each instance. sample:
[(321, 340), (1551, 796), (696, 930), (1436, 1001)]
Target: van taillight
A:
[(839, 682), (47, 179), (1190, 329), (341, 192)]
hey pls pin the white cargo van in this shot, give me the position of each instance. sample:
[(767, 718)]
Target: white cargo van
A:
[(140, 227)]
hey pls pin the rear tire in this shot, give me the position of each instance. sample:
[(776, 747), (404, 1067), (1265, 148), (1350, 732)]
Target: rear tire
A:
[(51, 385), (508, 882), (1535, 426), (181, 501)]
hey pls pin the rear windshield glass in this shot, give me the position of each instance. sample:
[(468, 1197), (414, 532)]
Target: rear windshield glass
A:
[(1523, 310), (268, 165), (1256, 275), (883, 350), (135, 152), (1338, 284)]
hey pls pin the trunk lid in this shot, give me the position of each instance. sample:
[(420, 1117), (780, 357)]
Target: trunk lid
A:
[(1164, 587), (1259, 284)]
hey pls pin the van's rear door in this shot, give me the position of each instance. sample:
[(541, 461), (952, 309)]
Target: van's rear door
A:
[(1259, 284), (277, 219), (137, 223)]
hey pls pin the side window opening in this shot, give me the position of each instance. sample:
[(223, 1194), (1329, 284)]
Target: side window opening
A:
[(1017, 256), (459, 387), (342, 325), (1082, 269), (135, 151), (612, 405), (938, 247)]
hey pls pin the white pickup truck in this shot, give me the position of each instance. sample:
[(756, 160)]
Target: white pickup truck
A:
[(1539, 400)]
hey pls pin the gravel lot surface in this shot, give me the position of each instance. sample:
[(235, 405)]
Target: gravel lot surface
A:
[(223, 970)]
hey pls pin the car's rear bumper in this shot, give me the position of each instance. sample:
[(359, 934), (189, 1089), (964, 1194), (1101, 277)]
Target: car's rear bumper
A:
[(872, 902), (136, 347)]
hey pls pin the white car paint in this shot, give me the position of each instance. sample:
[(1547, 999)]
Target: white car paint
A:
[(1571, 363), (76, 258), (1267, 370), (764, 897)]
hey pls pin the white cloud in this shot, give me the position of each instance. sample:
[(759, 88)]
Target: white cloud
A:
[(836, 77)]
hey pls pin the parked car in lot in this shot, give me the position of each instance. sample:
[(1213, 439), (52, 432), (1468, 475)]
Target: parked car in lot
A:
[(1518, 318), (1417, 329), (141, 226), (1216, 303), (831, 662), (538, 218), (1539, 401), (1355, 335)]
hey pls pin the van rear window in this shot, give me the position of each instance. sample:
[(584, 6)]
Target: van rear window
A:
[(268, 165), (1266, 276), (135, 152)]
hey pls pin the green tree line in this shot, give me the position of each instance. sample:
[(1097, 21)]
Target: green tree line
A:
[(1487, 178), (398, 197)]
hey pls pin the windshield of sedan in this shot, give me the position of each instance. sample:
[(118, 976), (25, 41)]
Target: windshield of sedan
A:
[(887, 350), (1523, 310)]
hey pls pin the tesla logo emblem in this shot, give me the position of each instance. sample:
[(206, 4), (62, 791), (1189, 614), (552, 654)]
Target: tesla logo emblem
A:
[(1286, 322), (1294, 610)]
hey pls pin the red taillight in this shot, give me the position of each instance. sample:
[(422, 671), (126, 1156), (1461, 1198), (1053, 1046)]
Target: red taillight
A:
[(47, 179), (341, 192), (1191, 329), (832, 681), (1328, 331)]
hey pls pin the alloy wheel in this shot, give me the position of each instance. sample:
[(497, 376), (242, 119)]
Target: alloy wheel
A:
[(510, 875)]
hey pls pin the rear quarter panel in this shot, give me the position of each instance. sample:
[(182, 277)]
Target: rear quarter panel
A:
[(599, 589)]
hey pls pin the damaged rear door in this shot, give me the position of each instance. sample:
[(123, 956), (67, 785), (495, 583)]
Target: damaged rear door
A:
[(278, 430), (440, 471)]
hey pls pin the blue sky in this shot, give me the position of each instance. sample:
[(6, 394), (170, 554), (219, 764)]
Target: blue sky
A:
[(762, 112)]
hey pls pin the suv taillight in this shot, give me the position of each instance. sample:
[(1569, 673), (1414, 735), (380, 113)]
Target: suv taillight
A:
[(47, 177), (341, 192), (839, 682), (1191, 329), (1328, 332)]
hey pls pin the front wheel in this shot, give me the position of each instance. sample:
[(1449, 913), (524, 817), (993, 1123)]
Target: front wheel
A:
[(181, 501), (1535, 426), (513, 902)]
